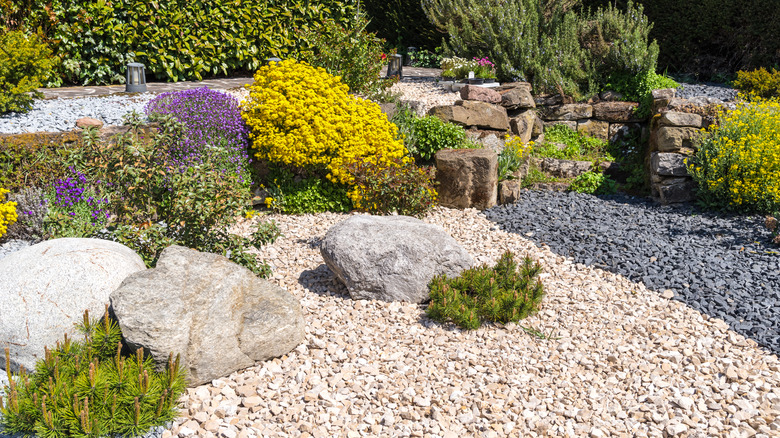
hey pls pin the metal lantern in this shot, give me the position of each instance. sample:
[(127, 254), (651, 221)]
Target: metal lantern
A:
[(395, 66), (136, 78)]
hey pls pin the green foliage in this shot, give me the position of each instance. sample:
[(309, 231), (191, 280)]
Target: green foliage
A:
[(759, 82), (546, 42), (426, 58), (35, 160), (204, 38), (403, 188), (737, 163), (88, 389), (25, 64), (576, 145), (424, 136), (349, 52), (594, 183), (500, 294), (638, 88), (536, 176), (402, 23), (291, 195)]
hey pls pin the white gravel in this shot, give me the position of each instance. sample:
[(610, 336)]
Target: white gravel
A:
[(424, 95), (620, 360)]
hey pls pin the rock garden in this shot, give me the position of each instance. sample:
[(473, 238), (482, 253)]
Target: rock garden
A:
[(540, 236)]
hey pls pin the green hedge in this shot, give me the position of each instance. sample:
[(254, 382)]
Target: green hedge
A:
[(402, 23), (175, 39), (709, 38)]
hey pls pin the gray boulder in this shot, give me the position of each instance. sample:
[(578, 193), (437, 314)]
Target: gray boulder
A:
[(565, 168), (668, 164), (217, 315), (391, 258), (45, 289)]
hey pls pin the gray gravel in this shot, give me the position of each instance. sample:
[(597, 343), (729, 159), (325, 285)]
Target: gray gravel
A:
[(58, 115), (724, 266)]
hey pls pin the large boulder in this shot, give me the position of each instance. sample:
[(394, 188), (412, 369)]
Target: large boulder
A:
[(482, 94), (391, 258), (468, 178), (517, 98), (217, 315), (471, 113), (45, 289)]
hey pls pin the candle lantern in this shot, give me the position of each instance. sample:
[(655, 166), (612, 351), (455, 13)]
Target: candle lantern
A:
[(136, 78), (395, 66)]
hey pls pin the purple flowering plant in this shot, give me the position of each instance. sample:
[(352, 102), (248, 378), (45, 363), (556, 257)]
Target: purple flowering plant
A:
[(213, 130), (76, 207)]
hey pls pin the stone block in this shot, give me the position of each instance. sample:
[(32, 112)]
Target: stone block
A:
[(674, 139), (523, 125), (568, 112), (594, 128), (668, 164), (517, 98), (509, 191), (468, 178), (664, 93), (565, 168), (675, 190), (481, 94), (610, 96), (615, 112), (679, 119), (472, 113)]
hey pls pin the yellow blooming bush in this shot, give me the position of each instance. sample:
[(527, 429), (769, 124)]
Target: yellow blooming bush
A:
[(7, 213), (301, 117), (737, 165)]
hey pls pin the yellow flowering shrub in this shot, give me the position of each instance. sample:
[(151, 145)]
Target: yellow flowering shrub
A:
[(301, 117), (737, 164), (7, 213), (759, 82)]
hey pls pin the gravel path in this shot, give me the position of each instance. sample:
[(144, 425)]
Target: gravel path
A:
[(620, 360)]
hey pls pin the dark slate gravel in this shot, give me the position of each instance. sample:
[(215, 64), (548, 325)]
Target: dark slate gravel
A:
[(709, 89), (721, 265)]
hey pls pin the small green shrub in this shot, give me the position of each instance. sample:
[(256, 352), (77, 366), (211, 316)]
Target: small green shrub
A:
[(536, 176), (291, 195), (737, 163), (88, 389), (403, 189), (348, 52), (759, 82), (26, 63), (594, 183), (426, 58), (36, 160), (499, 294), (638, 88)]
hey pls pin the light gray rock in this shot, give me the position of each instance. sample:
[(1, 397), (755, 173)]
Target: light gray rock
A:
[(45, 289), (217, 315), (391, 258), (517, 98), (473, 113), (522, 125), (668, 164), (675, 118), (674, 139), (568, 112)]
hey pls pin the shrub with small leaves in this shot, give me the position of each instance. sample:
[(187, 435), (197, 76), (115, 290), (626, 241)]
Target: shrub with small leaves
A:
[(7, 212), (760, 82), (502, 293), (594, 183), (89, 389), (290, 195), (25, 64), (403, 188)]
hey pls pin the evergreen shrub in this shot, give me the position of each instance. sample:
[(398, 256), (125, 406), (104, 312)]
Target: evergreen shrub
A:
[(89, 389), (503, 293), (759, 82)]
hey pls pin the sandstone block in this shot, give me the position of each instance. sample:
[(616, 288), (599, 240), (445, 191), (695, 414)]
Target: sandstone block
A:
[(88, 122), (473, 113), (674, 118), (523, 125), (517, 98), (675, 190), (565, 168), (509, 191), (664, 93), (615, 112), (468, 178), (567, 112), (391, 258), (673, 139), (481, 94)]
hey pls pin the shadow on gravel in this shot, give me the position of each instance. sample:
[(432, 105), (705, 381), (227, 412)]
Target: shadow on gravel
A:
[(722, 265), (322, 281)]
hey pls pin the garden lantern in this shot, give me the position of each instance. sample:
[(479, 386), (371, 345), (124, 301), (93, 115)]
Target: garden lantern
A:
[(268, 61), (395, 66), (136, 78)]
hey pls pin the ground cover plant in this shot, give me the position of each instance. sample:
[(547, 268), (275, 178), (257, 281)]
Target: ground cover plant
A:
[(90, 389), (506, 292), (594, 183), (564, 143), (424, 136), (512, 157), (737, 163)]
